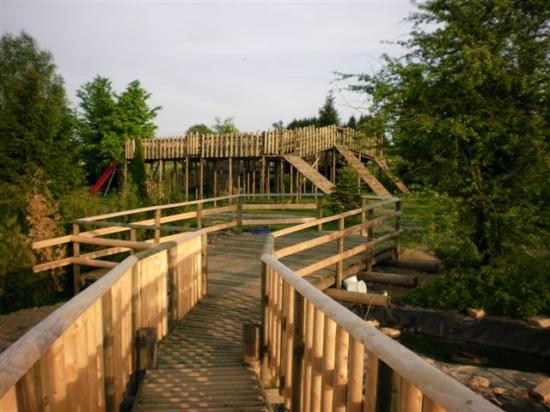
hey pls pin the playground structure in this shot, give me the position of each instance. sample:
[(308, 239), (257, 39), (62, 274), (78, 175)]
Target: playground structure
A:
[(191, 300), (278, 161)]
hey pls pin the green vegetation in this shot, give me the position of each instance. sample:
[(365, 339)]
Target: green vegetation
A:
[(347, 192), (328, 115), (466, 109)]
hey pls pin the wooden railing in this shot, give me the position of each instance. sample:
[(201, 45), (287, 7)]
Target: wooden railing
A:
[(322, 356), (303, 142), (83, 356)]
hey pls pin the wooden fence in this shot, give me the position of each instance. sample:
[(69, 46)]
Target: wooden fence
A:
[(303, 142), (325, 358)]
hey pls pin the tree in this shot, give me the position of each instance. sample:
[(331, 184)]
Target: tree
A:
[(278, 125), (227, 126), (352, 122), (299, 123), (200, 128), (97, 126), (328, 115), (107, 120), (137, 171), (36, 123), (467, 108), (347, 192)]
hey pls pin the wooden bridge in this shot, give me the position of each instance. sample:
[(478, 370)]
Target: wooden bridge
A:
[(189, 296), (272, 161)]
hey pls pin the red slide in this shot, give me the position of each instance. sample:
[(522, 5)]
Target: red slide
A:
[(103, 178)]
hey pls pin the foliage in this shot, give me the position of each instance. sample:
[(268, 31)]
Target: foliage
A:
[(278, 125), (44, 222), (347, 192), (467, 110), (226, 126), (328, 115), (200, 128), (137, 171), (352, 122), (516, 285), (107, 120), (36, 123), (299, 123)]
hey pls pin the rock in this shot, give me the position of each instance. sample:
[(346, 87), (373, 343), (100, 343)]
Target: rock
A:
[(374, 323), (499, 391), (543, 391), (539, 321), (391, 332), (475, 313), (479, 382)]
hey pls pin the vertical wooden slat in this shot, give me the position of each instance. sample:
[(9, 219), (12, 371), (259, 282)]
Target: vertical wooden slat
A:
[(298, 352), (372, 382), (8, 402), (340, 264), (317, 359), (287, 392), (76, 253), (308, 355), (431, 406), (341, 370), (410, 398), (355, 376), (329, 352)]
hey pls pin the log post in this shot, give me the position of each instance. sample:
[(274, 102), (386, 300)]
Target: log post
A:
[(355, 384), (239, 212), (187, 178), (230, 179), (372, 382), (363, 214), (199, 215), (133, 237), (251, 346), (341, 370), (410, 398), (297, 352), (319, 212), (201, 177), (398, 209), (370, 238), (340, 264), (76, 253), (157, 226)]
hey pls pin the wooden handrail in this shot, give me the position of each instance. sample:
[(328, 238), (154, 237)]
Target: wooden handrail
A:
[(430, 381)]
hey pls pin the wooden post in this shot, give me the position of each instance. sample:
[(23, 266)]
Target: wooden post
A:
[(187, 178), (157, 226), (340, 264), (398, 209), (133, 237), (230, 180), (76, 253), (329, 351), (370, 238), (319, 212), (215, 182), (355, 382), (317, 358), (292, 181), (262, 180), (204, 264), (363, 214), (341, 370), (239, 212), (201, 178), (333, 171), (199, 215), (251, 346), (410, 398), (298, 352), (372, 382), (146, 350)]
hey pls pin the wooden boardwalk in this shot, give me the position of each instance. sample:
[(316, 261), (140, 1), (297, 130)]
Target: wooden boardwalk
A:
[(200, 363)]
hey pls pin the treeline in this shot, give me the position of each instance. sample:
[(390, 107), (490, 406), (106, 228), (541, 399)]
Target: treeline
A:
[(50, 154)]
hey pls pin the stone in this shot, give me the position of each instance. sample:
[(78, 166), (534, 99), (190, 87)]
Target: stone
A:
[(499, 391), (479, 382), (374, 323), (475, 313), (539, 321), (543, 391), (391, 332)]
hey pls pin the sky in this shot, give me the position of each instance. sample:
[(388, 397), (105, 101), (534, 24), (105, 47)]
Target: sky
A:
[(255, 61)]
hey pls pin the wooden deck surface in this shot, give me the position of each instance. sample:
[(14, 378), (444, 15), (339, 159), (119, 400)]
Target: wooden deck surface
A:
[(200, 363)]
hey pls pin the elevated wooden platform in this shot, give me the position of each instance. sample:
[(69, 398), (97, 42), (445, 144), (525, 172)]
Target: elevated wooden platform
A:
[(200, 364)]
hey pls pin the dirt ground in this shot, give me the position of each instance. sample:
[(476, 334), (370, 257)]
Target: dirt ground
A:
[(14, 325)]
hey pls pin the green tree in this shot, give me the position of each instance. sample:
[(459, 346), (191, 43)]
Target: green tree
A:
[(467, 108), (352, 122), (299, 123), (137, 171), (347, 192), (225, 126), (278, 125), (97, 126), (134, 117), (36, 124), (328, 114), (200, 128)]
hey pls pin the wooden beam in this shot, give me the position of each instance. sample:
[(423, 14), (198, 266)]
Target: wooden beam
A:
[(343, 295)]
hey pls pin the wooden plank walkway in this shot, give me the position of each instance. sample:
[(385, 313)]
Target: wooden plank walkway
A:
[(200, 363)]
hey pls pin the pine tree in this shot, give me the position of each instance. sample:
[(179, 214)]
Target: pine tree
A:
[(328, 115), (347, 192)]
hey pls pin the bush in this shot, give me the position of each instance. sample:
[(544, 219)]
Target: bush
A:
[(347, 192), (517, 286)]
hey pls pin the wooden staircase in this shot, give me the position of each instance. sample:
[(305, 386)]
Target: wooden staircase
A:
[(365, 174), (308, 171), (383, 164)]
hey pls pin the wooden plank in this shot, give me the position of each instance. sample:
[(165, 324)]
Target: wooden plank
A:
[(94, 263), (111, 242), (343, 295)]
